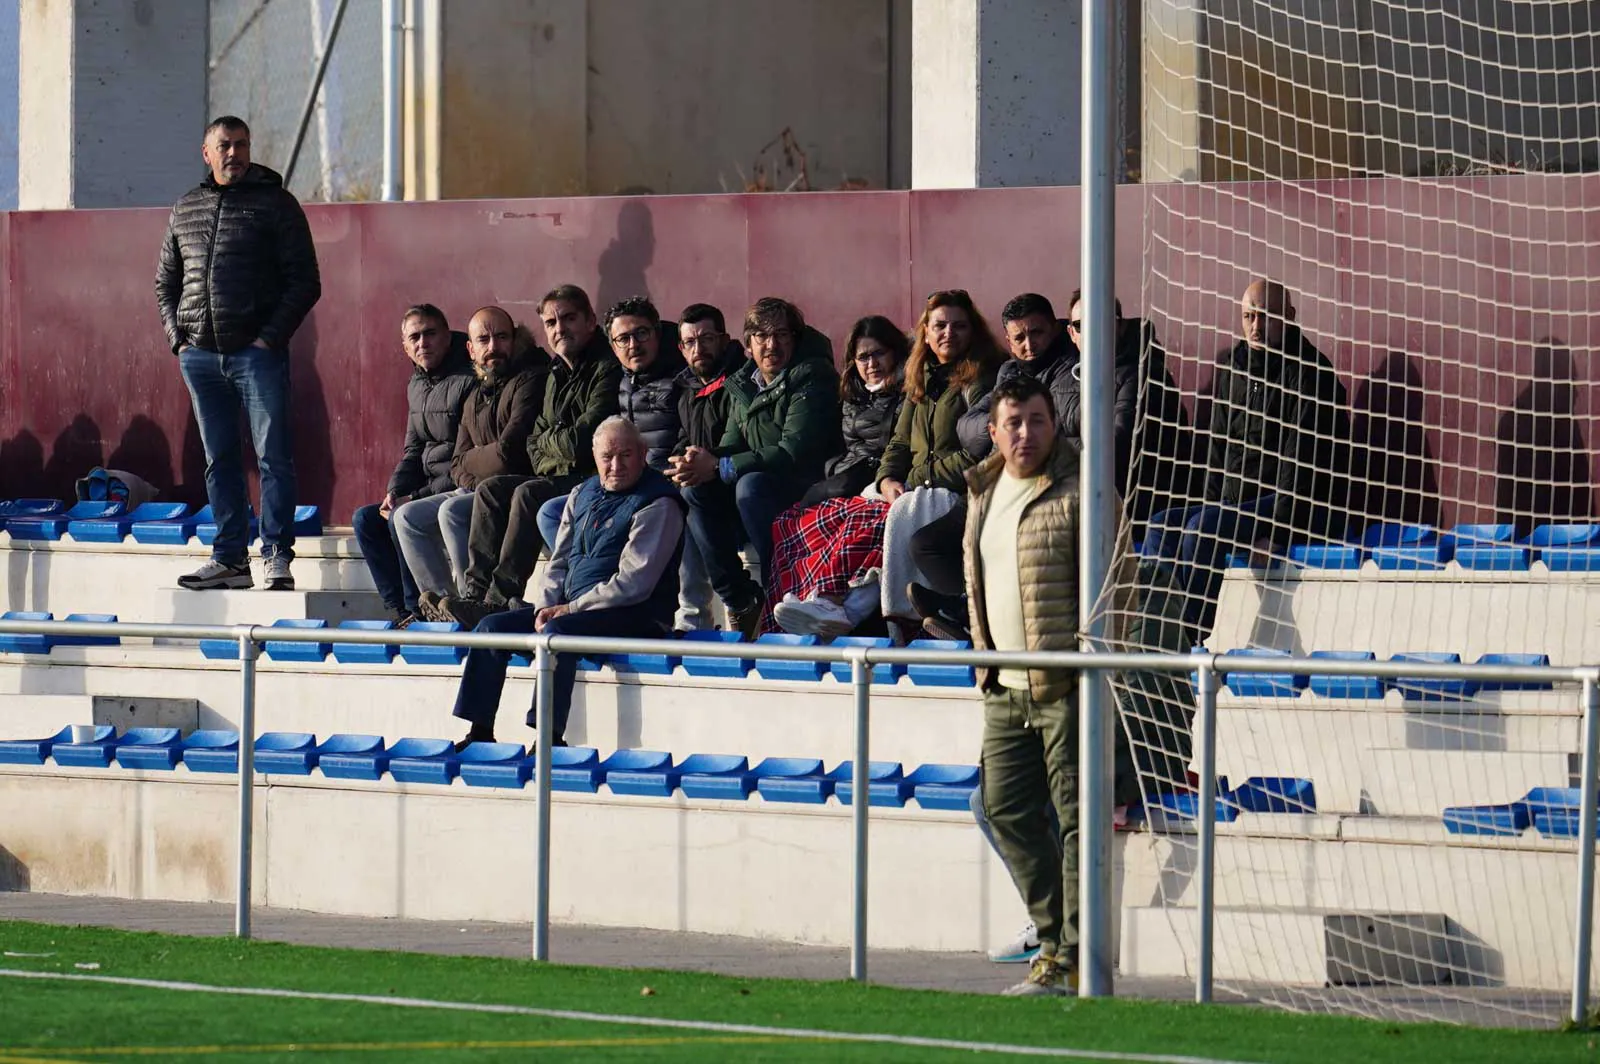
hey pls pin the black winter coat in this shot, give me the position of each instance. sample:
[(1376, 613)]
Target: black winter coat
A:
[(237, 263), (434, 402), (1280, 424), (649, 399), (1058, 370), (703, 405), (867, 421), (576, 399)]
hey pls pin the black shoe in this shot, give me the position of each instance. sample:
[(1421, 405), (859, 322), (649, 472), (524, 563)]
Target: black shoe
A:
[(476, 734), (944, 616), (215, 575), (403, 619)]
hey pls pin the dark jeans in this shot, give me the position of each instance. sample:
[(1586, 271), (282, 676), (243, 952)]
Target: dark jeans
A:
[(381, 549), (503, 542), (936, 550), (1198, 539), (484, 678), (257, 379), (722, 516)]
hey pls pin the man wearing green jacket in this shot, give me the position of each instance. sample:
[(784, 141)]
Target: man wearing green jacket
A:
[(782, 427)]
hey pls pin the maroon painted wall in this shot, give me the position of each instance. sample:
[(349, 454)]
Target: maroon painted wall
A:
[(1459, 276)]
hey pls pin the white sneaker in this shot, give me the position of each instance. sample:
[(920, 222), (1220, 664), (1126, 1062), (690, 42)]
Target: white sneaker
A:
[(214, 575), (811, 617), (275, 568), (1020, 950), (1048, 977)]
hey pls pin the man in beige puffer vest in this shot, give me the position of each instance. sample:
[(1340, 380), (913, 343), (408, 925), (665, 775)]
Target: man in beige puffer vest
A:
[(1021, 555)]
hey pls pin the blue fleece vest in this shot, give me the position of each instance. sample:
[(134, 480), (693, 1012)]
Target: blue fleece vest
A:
[(601, 520)]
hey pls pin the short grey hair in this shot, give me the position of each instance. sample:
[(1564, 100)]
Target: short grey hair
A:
[(616, 423)]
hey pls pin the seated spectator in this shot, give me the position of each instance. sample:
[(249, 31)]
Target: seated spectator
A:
[(828, 547), (580, 392), (953, 364), (647, 395), (782, 427), (490, 442), (441, 380), (711, 355), (1275, 467), (613, 572)]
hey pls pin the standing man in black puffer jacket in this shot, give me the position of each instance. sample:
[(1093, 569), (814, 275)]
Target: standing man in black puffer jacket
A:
[(237, 275)]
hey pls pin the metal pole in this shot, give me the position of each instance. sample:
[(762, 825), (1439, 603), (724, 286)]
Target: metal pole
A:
[(861, 681), (247, 768), (1582, 947), (393, 90), (1205, 727), (544, 664), (311, 94), (1097, 526)]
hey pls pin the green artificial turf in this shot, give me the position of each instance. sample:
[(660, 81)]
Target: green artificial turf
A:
[(57, 1020)]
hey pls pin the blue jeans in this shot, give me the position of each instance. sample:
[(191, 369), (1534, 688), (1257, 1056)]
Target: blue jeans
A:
[(258, 379), (722, 516), (1198, 539), (380, 547), (550, 520)]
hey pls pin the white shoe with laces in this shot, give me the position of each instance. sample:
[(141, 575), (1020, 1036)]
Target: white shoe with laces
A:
[(811, 616), (1020, 950), (276, 571)]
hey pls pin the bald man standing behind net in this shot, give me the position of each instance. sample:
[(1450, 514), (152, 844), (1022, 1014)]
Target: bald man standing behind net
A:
[(1278, 458)]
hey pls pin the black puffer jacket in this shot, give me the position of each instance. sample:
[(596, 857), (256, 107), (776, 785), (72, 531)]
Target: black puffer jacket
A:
[(867, 420), (1056, 369), (703, 404), (1280, 424), (237, 263), (435, 401), (649, 399), (576, 399)]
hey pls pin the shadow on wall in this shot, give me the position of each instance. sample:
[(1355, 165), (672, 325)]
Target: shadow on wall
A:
[(1543, 463), (14, 875), (76, 450), (1394, 475), (145, 452), (21, 466), (316, 467), (624, 261)]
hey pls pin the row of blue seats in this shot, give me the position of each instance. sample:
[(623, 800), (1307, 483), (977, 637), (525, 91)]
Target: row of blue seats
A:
[(1551, 811), (1413, 689), (1258, 794), (1493, 548), (636, 772), (112, 522)]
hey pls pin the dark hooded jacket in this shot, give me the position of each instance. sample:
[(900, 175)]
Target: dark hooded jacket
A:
[(927, 450), (703, 405), (237, 263), (434, 402), (649, 399), (867, 420), (576, 399), (493, 437)]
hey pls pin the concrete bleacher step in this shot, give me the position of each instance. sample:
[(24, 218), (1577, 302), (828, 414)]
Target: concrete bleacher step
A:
[(1297, 947), (1424, 782), (35, 715), (256, 606)]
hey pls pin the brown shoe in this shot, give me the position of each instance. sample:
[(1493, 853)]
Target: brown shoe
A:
[(746, 620), (467, 612), (428, 605)]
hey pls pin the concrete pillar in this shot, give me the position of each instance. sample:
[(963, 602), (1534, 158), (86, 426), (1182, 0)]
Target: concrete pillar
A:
[(111, 102), (996, 93), (9, 19)]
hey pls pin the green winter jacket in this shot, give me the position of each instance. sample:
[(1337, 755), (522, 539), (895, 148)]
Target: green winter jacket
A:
[(791, 427), (926, 450), (576, 399)]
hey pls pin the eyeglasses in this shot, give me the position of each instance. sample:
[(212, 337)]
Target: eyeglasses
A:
[(774, 336), (703, 340), (1075, 324), (875, 355), (636, 338)]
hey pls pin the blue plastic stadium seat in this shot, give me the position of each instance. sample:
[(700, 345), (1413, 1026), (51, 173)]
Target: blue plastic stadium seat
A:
[(1275, 794), (573, 768), (648, 773), (152, 748), (1327, 555), (943, 786), (772, 669), (886, 783), (586, 663), (1515, 659), (220, 649), (941, 675), (29, 508), (1406, 546), (424, 760), (35, 643), (881, 674), (652, 664), (363, 653), (1488, 547), (174, 531), (1511, 818), (286, 753), (88, 640), (1417, 689), (1186, 805), (307, 521), (31, 751), (346, 756), (114, 528), (492, 764), (280, 650), (205, 526), (54, 526), (700, 665), (1264, 684), (1567, 548), (96, 753), (792, 779), (1554, 811), (725, 776), (214, 750), (421, 655), (1346, 686)]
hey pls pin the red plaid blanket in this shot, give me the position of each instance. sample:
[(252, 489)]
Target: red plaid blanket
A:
[(818, 551)]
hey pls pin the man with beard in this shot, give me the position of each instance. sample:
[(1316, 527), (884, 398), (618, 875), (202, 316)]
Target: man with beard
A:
[(490, 442)]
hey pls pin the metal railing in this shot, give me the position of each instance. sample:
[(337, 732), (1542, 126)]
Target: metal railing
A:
[(1208, 668)]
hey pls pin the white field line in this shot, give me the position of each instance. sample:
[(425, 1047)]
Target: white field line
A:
[(631, 1021)]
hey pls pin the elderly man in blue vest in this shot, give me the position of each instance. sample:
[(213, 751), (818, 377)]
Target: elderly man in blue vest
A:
[(613, 572)]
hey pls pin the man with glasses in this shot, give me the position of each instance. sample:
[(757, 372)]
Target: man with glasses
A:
[(783, 426), (579, 393)]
